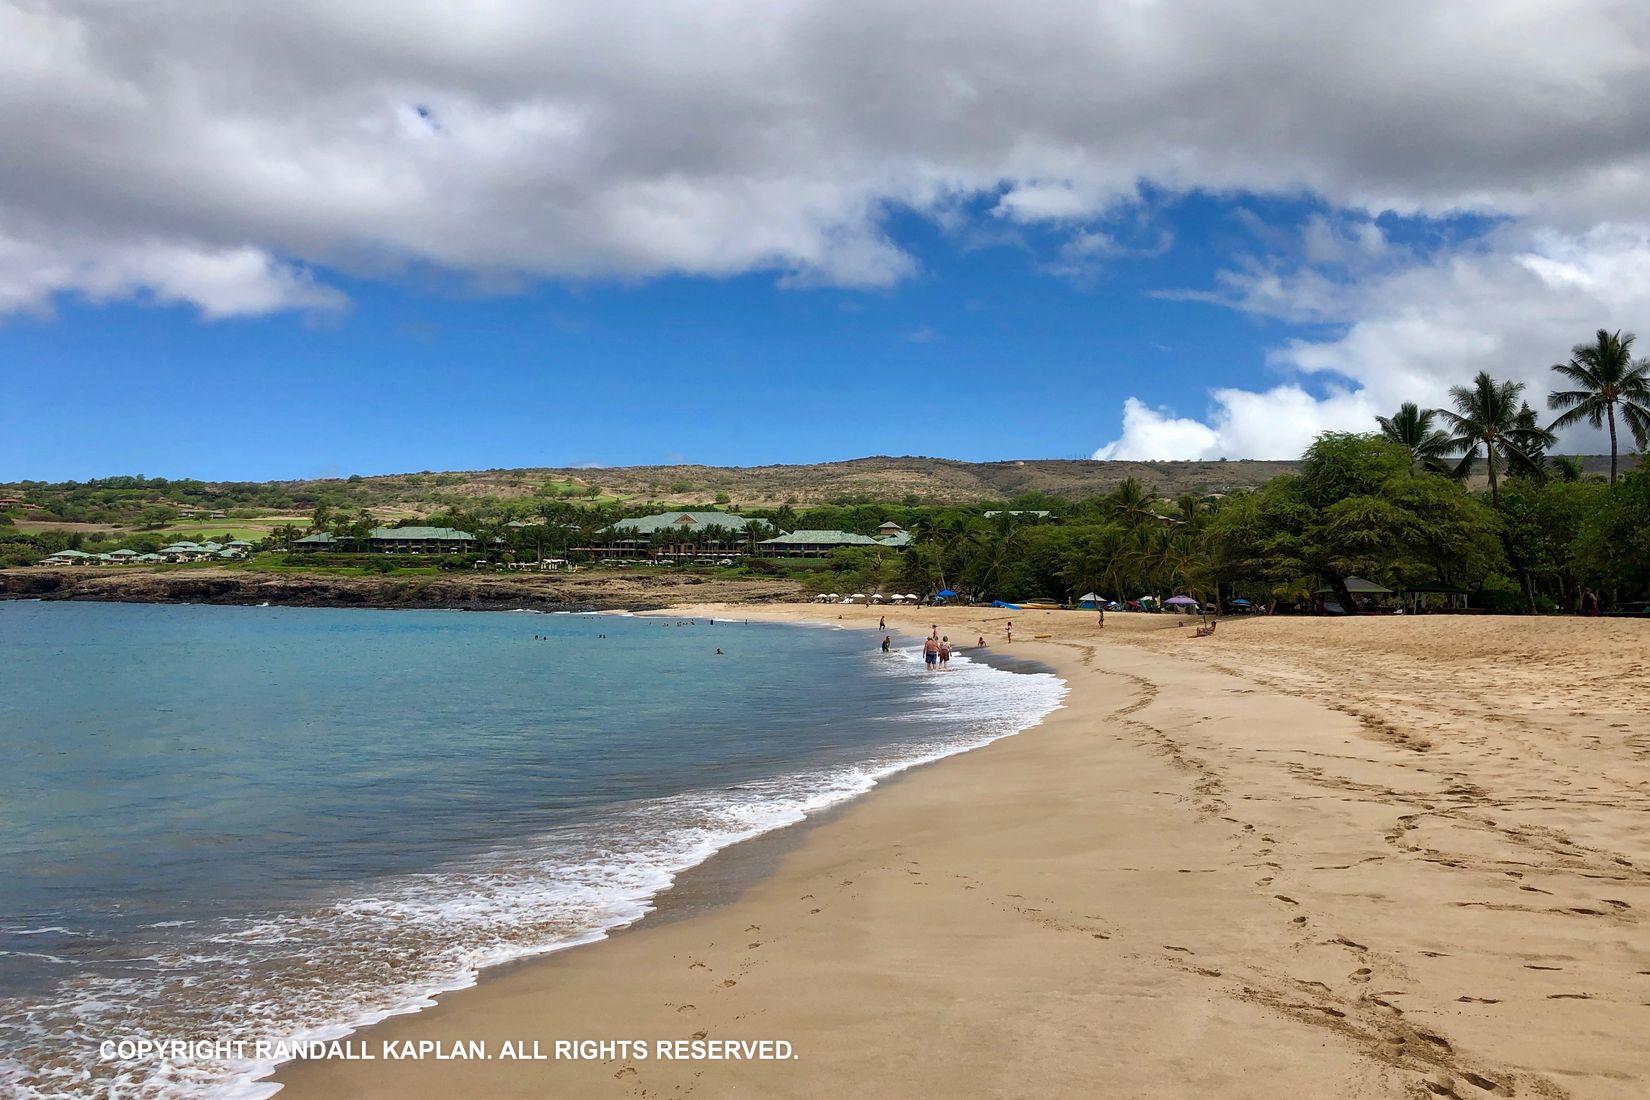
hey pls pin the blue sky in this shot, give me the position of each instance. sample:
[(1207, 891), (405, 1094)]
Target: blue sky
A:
[(986, 352), (302, 239)]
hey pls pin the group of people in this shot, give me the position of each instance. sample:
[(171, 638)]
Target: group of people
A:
[(936, 651)]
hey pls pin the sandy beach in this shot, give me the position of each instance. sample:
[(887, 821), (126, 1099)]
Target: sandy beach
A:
[(1370, 857)]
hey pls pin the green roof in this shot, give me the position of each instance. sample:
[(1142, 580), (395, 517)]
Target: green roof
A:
[(391, 534), (71, 554), (665, 521), (901, 539), (821, 538), (123, 553), (447, 534)]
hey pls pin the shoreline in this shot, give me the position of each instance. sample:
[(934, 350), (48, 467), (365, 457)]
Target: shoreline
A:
[(595, 590), (1216, 869)]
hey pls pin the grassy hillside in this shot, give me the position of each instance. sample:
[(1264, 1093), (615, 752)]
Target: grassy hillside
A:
[(252, 508)]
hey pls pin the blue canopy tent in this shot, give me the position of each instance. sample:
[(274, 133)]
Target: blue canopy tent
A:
[(944, 594), (1005, 603)]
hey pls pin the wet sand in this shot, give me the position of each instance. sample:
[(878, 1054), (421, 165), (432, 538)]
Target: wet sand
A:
[(1371, 857)]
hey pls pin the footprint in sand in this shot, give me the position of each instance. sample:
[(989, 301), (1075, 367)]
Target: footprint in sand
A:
[(1434, 1038), (1480, 1081), (729, 983), (1362, 974), (1286, 899), (754, 928)]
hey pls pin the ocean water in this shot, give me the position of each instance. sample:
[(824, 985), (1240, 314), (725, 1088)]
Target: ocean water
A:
[(243, 823)]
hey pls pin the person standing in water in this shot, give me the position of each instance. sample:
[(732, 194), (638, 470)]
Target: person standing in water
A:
[(931, 653), (886, 642), (945, 651)]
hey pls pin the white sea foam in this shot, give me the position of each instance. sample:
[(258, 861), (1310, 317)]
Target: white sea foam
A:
[(392, 947)]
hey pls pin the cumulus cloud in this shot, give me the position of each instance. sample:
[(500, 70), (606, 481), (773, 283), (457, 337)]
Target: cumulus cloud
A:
[(1511, 304), (218, 154)]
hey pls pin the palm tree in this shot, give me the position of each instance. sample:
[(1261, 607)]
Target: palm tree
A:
[(1129, 503), (1567, 467), (1605, 376), (1412, 428), (1487, 417)]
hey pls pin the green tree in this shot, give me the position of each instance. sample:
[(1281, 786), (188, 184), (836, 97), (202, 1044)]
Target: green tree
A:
[(1605, 377), (1612, 548), (1411, 427), (1487, 420), (1356, 508)]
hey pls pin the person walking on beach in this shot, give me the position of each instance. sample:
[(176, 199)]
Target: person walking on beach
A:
[(931, 653), (945, 651), (882, 622), (934, 632), (1010, 630)]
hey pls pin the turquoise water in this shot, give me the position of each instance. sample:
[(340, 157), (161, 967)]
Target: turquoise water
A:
[(275, 822)]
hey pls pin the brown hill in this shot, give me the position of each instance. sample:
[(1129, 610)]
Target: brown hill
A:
[(917, 480)]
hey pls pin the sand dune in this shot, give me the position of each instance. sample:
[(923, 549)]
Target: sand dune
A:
[(1372, 857)]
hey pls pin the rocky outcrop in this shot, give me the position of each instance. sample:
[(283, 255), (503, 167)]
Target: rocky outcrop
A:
[(590, 591)]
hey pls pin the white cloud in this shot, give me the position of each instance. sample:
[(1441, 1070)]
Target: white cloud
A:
[(219, 282), (1511, 305), (213, 153), (1275, 423)]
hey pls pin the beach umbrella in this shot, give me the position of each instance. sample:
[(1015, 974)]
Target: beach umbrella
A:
[(1180, 601), (1240, 603), (857, 596)]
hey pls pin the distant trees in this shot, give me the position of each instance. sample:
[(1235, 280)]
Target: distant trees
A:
[(1605, 378)]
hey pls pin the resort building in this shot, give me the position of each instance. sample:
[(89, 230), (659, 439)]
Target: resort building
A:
[(892, 534), (69, 557), (819, 544), (672, 536), (190, 551), (394, 540)]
